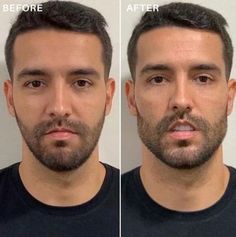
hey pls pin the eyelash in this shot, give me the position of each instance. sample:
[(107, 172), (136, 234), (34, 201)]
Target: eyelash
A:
[(86, 82), (28, 83), (152, 80), (209, 79)]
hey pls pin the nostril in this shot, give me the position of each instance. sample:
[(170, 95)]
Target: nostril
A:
[(181, 111), (175, 108), (52, 115), (188, 109)]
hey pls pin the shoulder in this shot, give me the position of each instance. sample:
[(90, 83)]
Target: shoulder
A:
[(232, 172), (112, 177), (129, 175), (6, 179), (112, 171), (6, 172), (128, 179), (232, 169)]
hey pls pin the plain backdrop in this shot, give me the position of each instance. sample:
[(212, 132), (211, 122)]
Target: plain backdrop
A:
[(10, 139), (130, 143)]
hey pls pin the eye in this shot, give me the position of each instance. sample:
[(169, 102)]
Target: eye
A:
[(203, 79), (34, 84), (157, 80), (82, 83)]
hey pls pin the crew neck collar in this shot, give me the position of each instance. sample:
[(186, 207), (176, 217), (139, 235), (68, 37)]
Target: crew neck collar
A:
[(155, 208), (81, 209)]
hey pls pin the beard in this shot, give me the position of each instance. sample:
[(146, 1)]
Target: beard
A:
[(182, 154), (61, 155)]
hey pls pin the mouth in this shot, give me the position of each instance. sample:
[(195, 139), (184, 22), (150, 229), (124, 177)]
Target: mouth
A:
[(60, 133), (182, 130)]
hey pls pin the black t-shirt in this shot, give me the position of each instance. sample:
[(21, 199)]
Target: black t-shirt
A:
[(21, 215), (143, 217)]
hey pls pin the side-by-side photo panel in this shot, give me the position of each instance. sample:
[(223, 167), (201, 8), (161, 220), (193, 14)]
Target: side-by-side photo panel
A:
[(59, 167), (178, 112)]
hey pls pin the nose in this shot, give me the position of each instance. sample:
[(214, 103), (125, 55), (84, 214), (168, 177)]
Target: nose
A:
[(59, 104), (181, 98)]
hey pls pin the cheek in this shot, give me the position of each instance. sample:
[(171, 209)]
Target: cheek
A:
[(90, 108), (150, 105), (213, 107), (27, 107)]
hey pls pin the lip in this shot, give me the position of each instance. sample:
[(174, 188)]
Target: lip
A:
[(182, 134), (60, 130), (181, 123), (60, 133)]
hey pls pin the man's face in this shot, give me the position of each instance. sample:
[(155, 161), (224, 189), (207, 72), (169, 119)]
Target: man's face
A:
[(180, 95), (59, 95)]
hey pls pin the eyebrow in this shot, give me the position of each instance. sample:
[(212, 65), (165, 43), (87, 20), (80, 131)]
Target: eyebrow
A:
[(31, 72), (164, 67), (207, 67), (84, 72), (154, 67), (74, 72)]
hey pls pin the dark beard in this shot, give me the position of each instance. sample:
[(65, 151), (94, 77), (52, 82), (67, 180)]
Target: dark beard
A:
[(180, 156), (62, 159)]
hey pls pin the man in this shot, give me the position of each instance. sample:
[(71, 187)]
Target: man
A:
[(180, 59), (59, 92)]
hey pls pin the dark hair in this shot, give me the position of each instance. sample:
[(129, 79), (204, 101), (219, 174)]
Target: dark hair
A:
[(61, 15), (182, 15)]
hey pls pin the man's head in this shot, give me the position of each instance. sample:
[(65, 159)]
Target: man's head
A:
[(180, 60), (59, 92)]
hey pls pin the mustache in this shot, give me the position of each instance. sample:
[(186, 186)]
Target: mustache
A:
[(77, 127), (198, 122)]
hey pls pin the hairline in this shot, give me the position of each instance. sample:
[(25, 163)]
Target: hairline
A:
[(103, 56), (135, 52)]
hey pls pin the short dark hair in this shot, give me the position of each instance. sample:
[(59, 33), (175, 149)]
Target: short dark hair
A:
[(61, 15), (185, 15)]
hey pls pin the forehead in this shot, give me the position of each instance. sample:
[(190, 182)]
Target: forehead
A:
[(179, 46), (57, 49)]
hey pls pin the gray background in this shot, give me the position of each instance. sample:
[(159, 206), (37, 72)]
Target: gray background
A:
[(131, 152), (10, 139)]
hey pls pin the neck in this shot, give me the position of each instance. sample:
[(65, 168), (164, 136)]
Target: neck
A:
[(184, 190), (68, 188)]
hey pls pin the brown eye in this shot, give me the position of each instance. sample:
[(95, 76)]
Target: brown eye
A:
[(35, 84), (82, 83), (158, 79), (203, 79)]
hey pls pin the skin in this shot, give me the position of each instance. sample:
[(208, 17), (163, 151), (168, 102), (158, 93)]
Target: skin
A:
[(206, 93), (77, 97)]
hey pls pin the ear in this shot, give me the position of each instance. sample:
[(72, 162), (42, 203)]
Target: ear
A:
[(110, 89), (231, 95), (8, 91), (129, 90)]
